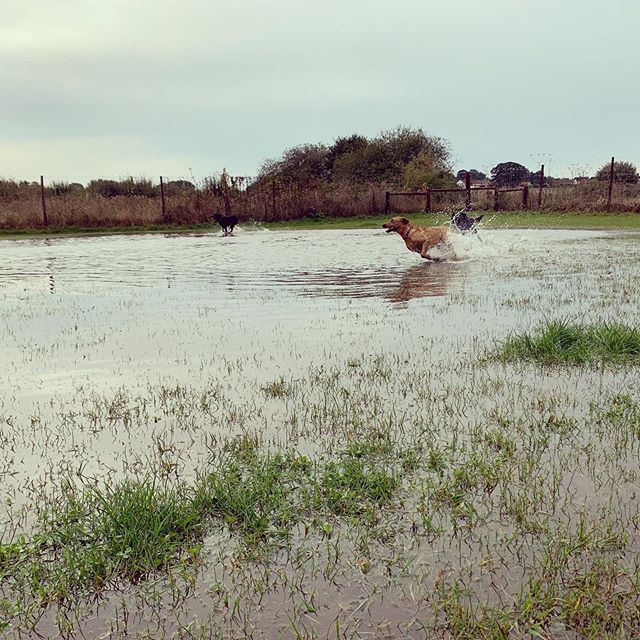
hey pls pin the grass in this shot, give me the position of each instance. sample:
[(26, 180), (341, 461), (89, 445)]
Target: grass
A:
[(493, 220), (564, 342), (53, 231), (91, 537)]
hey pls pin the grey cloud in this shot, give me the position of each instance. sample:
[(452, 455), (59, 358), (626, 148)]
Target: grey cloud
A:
[(229, 84)]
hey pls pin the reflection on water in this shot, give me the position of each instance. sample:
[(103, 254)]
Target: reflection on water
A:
[(397, 285), (316, 264), (425, 280), (52, 280)]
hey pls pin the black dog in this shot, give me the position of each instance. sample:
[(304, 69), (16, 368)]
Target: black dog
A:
[(226, 223), (464, 223)]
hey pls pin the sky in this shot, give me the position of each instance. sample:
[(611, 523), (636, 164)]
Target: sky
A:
[(113, 88)]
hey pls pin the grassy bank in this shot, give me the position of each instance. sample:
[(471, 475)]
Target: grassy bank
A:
[(493, 220), (52, 232)]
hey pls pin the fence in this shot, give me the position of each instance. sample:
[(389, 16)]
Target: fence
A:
[(24, 205), (497, 204), (175, 202)]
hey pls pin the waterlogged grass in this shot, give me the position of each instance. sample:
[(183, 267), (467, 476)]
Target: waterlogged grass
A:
[(591, 601), (90, 537), (564, 342), (372, 491), (407, 487)]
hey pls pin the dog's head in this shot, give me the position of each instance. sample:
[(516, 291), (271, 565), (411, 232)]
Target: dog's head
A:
[(217, 217), (395, 224)]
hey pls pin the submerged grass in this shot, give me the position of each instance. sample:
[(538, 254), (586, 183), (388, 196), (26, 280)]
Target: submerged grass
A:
[(93, 535), (564, 342), (410, 491), (89, 536)]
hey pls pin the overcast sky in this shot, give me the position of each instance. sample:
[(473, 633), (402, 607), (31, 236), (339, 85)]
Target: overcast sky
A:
[(112, 88)]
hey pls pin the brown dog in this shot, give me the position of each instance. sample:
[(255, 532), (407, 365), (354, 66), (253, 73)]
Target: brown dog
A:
[(421, 239)]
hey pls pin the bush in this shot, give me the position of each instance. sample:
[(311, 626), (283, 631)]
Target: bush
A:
[(622, 172), (128, 187)]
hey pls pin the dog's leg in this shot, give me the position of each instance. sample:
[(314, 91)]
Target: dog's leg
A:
[(425, 254)]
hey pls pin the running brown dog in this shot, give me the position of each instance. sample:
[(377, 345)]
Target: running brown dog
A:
[(421, 239)]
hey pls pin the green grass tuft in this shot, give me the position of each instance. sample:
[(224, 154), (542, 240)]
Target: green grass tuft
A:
[(254, 492), (563, 342)]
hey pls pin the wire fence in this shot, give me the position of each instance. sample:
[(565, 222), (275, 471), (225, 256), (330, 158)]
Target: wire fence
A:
[(143, 202)]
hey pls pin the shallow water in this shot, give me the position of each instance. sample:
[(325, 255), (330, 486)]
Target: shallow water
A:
[(105, 310), (116, 350), (80, 317)]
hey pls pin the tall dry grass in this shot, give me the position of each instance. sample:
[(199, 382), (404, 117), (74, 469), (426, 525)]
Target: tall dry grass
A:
[(267, 201)]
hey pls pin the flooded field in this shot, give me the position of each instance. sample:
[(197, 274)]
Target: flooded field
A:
[(370, 469)]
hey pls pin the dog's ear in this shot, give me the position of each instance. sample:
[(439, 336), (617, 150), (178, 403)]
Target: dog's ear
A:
[(404, 221)]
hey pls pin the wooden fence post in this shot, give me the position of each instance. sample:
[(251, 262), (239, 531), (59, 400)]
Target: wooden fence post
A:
[(427, 207), (525, 196), (496, 199), (540, 187), (45, 219), (467, 186), (611, 174), (163, 203), (387, 203)]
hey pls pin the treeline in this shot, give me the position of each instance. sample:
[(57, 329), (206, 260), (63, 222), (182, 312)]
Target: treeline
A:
[(512, 174), (402, 157), (107, 188)]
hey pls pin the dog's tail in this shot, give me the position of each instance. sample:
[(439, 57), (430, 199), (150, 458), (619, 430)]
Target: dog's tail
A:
[(479, 218)]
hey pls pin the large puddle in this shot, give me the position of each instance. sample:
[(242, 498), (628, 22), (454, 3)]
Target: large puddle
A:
[(106, 310), (117, 352)]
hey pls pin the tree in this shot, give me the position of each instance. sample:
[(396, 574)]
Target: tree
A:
[(343, 146), (385, 157), (180, 186), (622, 172), (358, 159), (369, 164), (509, 174), (534, 178), (304, 163), (475, 174), (426, 171), (403, 144)]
